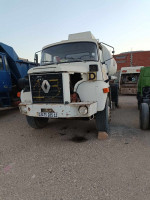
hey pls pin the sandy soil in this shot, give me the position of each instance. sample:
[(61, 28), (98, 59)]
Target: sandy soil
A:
[(49, 164)]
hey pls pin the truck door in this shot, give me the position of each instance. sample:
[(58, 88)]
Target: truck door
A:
[(5, 75)]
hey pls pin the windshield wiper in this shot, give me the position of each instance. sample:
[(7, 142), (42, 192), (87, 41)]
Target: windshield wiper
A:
[(91, 60), (68, 60), (76, 59), (47, 62)]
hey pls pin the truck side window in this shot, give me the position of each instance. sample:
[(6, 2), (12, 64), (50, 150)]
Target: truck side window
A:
[(6, 64), (1, 63)]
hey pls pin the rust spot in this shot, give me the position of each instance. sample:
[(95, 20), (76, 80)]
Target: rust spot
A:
[(22, 105)]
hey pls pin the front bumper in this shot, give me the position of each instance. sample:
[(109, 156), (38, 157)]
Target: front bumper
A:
[(128, 91), (63, 110)]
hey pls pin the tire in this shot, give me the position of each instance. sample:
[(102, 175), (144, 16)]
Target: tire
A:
[(114, 93), (139, 104), (144, 116), (37, 122), (102, 119)]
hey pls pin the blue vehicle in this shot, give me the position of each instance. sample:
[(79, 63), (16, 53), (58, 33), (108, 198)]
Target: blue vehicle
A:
[(11, 70)]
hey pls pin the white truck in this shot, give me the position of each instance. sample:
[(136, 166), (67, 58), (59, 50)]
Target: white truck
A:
[(129, 79), (72, 81)]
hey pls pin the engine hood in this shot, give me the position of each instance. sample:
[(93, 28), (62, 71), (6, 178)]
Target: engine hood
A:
[(78, 67)]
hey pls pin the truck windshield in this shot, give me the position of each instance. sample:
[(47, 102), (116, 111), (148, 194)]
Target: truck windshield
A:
[(70, 52)]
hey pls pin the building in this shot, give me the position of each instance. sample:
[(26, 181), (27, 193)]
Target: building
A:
[(133, 58)]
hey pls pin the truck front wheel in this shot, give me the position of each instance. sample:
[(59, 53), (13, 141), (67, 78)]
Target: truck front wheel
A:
[(37, 122), (144, 116), (102, 119)]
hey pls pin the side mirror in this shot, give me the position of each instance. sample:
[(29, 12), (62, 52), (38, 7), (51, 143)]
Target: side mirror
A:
[(113, 52), (36, 59), (23, 82), (113, 77)]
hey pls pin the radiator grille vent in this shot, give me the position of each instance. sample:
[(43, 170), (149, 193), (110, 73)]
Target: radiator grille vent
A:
[(47, 88)]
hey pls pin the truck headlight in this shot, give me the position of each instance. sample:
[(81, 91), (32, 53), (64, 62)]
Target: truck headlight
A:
[(83, 110)]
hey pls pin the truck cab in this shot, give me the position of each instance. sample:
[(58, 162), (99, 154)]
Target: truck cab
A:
[(72, 81), (143, 97)]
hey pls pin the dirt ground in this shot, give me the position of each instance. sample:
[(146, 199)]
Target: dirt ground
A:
[(51, 164)]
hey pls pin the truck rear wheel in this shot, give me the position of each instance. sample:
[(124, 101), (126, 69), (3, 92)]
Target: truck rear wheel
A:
[(144, 116), (102, 119), (139, 105), (37, 122)]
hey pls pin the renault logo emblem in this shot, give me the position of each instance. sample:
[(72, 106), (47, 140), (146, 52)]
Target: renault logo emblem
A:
[(45, 86)]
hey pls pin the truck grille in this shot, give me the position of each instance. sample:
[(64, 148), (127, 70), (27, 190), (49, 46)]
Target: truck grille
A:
[(47, 88)]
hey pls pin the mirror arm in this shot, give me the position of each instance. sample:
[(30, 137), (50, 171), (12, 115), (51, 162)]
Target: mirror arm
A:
[(109, 46), (106, 60)]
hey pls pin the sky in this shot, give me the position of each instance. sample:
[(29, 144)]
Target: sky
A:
[(28, 25)]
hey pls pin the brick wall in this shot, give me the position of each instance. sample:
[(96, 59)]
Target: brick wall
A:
[(139, 58)]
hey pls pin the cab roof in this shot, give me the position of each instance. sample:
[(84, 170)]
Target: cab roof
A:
[(76, 37)]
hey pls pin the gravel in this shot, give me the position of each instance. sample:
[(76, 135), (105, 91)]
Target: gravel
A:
[(51, 164)]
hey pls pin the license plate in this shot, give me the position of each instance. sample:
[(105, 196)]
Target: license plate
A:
[(47, 114)]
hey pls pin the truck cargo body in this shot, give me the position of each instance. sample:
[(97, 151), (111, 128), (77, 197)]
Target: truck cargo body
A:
[(129, 80), (11, 70)]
